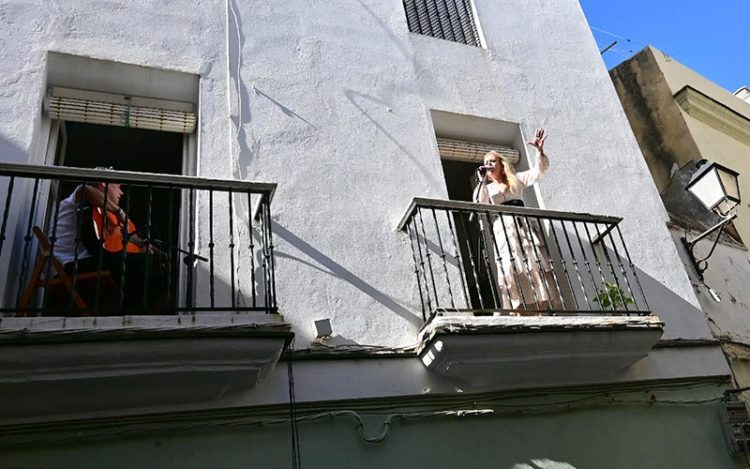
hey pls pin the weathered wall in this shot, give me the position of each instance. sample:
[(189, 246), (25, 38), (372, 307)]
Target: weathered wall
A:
[(669, 135), (654, 116), (581, 431), (714, 144)]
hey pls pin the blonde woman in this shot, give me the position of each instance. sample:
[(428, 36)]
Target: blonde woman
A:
[(522, 269)]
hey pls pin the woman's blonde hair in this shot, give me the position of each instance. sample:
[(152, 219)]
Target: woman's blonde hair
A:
[(508, 175)]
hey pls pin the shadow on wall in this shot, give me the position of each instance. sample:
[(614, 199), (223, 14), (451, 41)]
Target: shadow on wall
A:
[(331, 267), (10, 153), (353, 97), (236, 46), (682, 319)]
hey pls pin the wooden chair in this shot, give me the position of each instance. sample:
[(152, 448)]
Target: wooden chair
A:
[(61, 281)]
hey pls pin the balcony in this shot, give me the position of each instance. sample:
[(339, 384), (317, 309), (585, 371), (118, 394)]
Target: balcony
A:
[(101, 307), (522, 295)]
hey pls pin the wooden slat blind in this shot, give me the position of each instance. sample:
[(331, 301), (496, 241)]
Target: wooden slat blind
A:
[(463, 150), (108, 109)]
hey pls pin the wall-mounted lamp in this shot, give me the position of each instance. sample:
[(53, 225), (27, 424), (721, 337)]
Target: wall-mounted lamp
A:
[(717, 188)]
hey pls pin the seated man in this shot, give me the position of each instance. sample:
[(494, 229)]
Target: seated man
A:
[(94, 233)]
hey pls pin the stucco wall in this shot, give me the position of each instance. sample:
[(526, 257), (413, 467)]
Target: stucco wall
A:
[(357, 130), (714, 144), (334, 101), (656, 119)]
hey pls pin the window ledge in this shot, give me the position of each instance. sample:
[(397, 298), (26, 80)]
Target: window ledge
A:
[(535, 351)]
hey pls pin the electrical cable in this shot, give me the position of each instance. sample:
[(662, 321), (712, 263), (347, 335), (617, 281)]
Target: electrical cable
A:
[(296, 463)]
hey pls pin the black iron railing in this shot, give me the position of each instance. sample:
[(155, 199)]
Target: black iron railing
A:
[(492, 259), (187, 244)]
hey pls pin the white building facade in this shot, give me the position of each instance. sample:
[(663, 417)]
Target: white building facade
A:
[(341, 107)]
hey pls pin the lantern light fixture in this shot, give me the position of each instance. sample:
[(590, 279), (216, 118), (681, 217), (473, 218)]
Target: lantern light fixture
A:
[(717, 188)]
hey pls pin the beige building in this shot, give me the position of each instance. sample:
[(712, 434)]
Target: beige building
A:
[(679, 117)]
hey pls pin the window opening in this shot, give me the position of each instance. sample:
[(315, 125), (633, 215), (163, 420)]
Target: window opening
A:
[(452, 20), (128, 149)]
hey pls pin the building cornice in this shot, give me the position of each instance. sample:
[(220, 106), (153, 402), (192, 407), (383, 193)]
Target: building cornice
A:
[(713, 113)]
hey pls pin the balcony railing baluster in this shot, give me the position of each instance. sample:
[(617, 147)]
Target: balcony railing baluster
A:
[(538, 258), (586, 261), (449, 215), (4, 226), (442, 256), (553, 230), (53, 242), (536, 277), (266, 259), (424, 307), (123, 253), (251, 246), (137, 282), (603, 288), (513, 266), (211, 274), (608, 233), (170, 242), (429, 259), (27, 240), (551, 261), (269, 232), (575, 265), (528, 271), (487, 231), (599, 236), (191, 249), (76, 253), (499, 262), (230, 197), (147, 269), (477, 288)]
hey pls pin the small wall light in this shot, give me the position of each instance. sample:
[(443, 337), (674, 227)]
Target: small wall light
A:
[(718, 189)]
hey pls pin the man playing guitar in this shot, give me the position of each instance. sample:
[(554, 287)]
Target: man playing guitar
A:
[(92, 224)]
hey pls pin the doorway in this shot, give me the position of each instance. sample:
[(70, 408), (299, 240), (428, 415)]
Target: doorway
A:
[(476, 255), (156, 210)]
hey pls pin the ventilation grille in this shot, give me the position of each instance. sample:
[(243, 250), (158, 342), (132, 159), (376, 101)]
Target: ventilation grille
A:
[(108, 109), (452, 20)]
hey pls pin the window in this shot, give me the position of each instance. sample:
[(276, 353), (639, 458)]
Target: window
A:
[(452, 20), (131, 118)]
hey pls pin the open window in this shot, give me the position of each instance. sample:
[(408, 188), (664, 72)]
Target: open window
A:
[(462, 142), (128, 118)]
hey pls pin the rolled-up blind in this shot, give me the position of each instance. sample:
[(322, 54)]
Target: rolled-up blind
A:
[(123, 111), (452, 20), (463, 150)]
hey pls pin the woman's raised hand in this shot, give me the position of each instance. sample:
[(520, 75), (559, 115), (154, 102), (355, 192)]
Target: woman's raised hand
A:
[(538, 142)]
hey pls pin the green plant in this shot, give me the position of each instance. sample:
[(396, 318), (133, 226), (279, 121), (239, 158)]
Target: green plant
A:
[(610, 296)]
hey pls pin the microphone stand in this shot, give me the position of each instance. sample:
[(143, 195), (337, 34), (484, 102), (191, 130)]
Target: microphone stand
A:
[(478, 191), (190, 257), (482, 251)]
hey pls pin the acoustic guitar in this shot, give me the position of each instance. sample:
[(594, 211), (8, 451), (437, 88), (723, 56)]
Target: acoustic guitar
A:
[(111, 232)]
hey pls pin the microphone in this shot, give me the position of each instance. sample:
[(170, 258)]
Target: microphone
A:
[(483, 169)]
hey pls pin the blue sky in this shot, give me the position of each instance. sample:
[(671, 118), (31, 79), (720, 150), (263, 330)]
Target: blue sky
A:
[(709, 36)]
